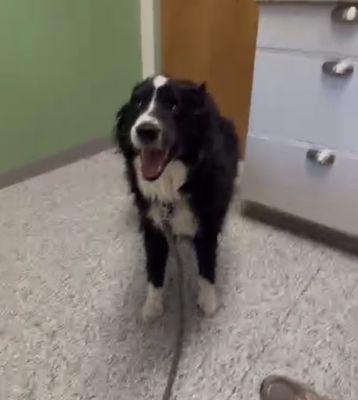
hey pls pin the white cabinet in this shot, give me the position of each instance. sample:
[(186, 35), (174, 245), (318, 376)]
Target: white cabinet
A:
[(302, 147)]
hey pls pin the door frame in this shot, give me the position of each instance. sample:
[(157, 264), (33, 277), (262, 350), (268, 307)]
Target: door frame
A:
[(150, 36)]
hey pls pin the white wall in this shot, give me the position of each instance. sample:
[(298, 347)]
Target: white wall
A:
[(150, 36)]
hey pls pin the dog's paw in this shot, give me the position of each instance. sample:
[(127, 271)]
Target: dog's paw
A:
[(153, 306), (207, 297)]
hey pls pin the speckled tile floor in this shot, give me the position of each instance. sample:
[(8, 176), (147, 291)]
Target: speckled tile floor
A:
[(72, 283)]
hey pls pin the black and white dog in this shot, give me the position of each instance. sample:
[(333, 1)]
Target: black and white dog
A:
[(181, 160)]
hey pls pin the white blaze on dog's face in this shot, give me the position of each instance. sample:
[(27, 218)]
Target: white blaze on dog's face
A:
[(157, 133), (147, 118), (147, 132)]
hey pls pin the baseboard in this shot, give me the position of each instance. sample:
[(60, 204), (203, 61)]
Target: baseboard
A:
[(300, 227), (55, 161)]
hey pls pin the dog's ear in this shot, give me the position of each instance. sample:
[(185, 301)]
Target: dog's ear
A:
[(121, 117), (202, 88), (201, 97), (121, 128), (194, 98), (120, 114)]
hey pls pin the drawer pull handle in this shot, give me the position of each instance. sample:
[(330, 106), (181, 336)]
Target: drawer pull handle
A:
[(344, 13), (321, 157), (341, 68)]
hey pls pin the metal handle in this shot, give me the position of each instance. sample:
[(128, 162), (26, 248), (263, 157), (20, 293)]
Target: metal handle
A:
[(322, 157), (340, 68), (345, 13)]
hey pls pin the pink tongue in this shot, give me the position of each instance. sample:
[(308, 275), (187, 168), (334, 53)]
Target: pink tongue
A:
[(153, 162)]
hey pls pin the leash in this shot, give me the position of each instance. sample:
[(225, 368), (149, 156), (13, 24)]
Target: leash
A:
[(178, 344)]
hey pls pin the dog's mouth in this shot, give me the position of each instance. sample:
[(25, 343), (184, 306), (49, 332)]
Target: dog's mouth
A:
[(153, 162)]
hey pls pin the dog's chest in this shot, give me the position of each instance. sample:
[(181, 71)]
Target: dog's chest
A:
[(168, 205), (178, 215)]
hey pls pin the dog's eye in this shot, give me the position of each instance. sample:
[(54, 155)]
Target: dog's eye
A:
[(171, 104), (166, 97), (137, 101)]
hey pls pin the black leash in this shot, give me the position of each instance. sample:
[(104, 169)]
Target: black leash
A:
[(178, 344)]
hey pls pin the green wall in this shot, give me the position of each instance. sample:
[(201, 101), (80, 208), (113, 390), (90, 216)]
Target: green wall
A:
[(65, 67)]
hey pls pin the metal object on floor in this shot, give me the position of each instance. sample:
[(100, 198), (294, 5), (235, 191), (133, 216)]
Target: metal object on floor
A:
[(279, 387)]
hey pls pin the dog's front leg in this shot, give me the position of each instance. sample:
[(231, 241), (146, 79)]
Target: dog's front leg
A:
[(156, 248), (205, 246)]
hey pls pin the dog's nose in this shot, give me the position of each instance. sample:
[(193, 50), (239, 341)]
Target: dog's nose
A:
[(147, 132)]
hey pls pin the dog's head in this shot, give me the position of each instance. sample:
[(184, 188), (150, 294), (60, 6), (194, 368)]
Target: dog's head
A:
[(163, 120)]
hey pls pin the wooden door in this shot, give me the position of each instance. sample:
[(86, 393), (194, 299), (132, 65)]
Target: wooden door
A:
[(213, 41)]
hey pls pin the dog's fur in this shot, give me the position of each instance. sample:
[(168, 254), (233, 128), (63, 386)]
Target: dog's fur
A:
[(193, 191)]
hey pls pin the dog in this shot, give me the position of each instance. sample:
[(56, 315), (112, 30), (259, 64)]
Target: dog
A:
[(181, 162)]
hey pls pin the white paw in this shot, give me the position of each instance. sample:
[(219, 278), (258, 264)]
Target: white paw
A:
[(153, 306), (207, 297)]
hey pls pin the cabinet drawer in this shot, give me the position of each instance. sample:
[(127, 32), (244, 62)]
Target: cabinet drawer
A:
[(306, 27), (279, 175), (293, 98)]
